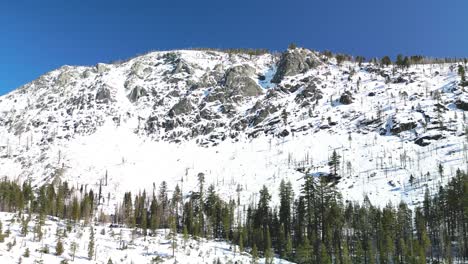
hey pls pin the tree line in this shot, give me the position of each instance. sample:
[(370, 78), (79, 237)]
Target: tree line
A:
[(314, 226)]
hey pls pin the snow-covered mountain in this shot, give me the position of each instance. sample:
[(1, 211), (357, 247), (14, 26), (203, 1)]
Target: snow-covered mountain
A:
[(242, 120)]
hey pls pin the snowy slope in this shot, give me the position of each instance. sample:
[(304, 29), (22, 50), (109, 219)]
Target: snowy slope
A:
[(171, 115), (108, 245)]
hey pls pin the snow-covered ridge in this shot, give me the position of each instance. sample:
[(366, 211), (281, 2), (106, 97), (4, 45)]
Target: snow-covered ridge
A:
[(170, 115)]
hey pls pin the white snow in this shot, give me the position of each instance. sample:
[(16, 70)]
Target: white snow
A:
[(108, 245), (38, 136)]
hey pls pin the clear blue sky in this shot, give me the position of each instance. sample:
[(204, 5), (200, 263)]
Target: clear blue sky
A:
[(38, 36)]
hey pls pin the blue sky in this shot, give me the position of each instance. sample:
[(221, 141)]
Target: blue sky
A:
[(38, 36)]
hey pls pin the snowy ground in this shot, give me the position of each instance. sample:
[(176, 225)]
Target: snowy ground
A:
[(108, 243)]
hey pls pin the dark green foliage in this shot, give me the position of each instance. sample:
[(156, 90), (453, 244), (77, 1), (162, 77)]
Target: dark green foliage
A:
[(360, 60), (315, 226), (59, 248), (26, 253), (2, 236), (91, 244), (386, 61), (334, 163), (461, 72), (340, 58), (402, 62)]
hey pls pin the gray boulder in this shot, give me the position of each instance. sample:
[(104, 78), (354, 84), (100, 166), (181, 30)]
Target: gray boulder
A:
[(401, 127), (262, 113), (346, 98), (103, 95), (182, 107), (462, 102), (294, 62), (240, 80), (64, 78), (102, 68), (182, 67), (310, 93), (136, 93)]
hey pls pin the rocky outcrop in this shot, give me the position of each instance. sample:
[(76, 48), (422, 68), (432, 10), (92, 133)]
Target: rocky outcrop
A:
[(103, 95), (102, 68), (346, 98), (182, 67), (261, 112), (139, 70), (310, 93), (182, 107), (136, 93), (240, 80), (427, 138), (64, 78), (400, 127), (462, 102), (293, 62)]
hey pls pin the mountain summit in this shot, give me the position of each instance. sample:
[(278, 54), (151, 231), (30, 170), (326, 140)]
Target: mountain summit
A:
[(243, 119)]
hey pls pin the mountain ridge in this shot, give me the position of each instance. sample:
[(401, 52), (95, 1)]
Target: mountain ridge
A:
[(241, 119)]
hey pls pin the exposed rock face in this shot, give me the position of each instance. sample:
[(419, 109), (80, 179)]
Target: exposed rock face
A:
[(284, 133), (102, 68), (426, 139), (462, 102), (400, 127), (261, 111), (293, 62), (240, 80), (64, 78), (103, 95), (182, 107), (136, 93), (309, 93), (182, 67), (346, 98)]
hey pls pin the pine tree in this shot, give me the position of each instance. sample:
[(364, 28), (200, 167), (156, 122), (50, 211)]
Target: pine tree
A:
[(284, 117), (144, 224), (38, 230), (346, 256), (292, 46), (304, 252), (286, 197), (360, 60), (386, 60), (399, 60), (26, 253), (185, 236), (25, 226), (324, 257), (241, 243), (359, 255), (75, 209), (2, 236), (173, 235), (73, 248), (254, 254), (289, 248), (59, 248), (268, 249), (91, 244), (334, 163), (461, 72)]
